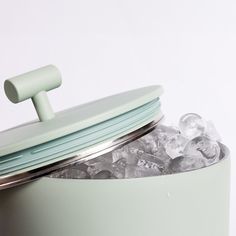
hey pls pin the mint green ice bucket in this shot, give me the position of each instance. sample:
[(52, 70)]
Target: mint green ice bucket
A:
[(194, 203)]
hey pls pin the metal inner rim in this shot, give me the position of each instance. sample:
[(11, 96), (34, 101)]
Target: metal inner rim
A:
[(7, 181)]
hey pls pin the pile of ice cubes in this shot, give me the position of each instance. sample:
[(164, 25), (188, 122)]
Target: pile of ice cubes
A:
[(166, 150)]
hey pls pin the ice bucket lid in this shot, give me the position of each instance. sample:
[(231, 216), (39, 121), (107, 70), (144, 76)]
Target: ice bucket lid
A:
[(59, 137)]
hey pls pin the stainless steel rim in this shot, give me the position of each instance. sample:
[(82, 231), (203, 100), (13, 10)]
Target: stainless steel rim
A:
[(8, 181)]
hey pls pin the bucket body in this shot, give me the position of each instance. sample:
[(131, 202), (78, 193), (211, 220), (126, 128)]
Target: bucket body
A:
[(193, 203)]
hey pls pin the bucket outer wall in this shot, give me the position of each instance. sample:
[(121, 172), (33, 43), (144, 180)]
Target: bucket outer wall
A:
[(194, 203)]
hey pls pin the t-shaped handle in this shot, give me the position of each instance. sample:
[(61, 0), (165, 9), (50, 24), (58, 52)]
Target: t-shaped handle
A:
[(34, 85)]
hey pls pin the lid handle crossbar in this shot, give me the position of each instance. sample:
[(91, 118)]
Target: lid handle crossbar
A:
[(34, 85)]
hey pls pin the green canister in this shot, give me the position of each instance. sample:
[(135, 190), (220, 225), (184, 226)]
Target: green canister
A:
[(192, 203)]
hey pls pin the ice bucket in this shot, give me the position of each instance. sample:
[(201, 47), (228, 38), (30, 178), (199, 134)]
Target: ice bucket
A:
[(192, 203)]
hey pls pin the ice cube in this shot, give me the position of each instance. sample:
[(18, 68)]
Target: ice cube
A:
[(145, 172), (148, 164), (183, 163), (127, 152), (162, 156), (130, 171), (104, 174), (150, 161), (163, 133), (175, 145), (70, 173), (203, 147), (118, 168), (93, 169), (191, 125), (148, 143), (141, 170)]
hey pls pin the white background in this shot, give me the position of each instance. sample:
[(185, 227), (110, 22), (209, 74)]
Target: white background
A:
[(105, 47)]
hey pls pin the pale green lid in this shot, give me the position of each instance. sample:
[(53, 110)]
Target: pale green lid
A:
[(51, 126)]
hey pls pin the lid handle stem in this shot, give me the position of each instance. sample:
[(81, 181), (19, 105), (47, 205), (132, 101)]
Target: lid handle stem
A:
[(42, 106)]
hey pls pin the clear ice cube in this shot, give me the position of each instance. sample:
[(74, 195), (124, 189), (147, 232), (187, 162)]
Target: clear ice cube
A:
[(203, 147), (148, 143), (104, 174), (183, 163), (127, 152), (71, 173), (163, 133), (191, 125), (175, 145), (118, 168)]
